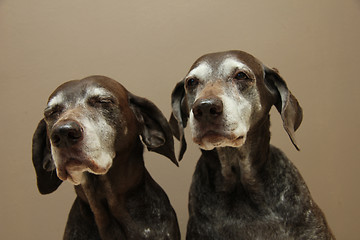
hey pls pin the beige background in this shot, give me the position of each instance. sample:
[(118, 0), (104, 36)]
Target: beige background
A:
[(149, 46)]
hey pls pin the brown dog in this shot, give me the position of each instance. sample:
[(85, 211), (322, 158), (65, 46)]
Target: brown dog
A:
[(242, 188), (90, 135)]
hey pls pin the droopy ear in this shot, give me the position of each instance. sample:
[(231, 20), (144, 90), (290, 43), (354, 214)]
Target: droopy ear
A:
[(47, 180), (287, 105), (179, 115), (156, 133)]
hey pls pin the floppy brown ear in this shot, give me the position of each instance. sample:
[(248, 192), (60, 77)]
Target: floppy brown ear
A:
[(47, 180), (155, 133), (287, 105), (179, 115)]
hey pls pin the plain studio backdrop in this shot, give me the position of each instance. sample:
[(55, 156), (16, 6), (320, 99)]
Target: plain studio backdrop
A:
[(149, 46)]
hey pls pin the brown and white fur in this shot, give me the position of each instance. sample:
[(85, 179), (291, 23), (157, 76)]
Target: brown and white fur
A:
[(243, 187), (92, 135)]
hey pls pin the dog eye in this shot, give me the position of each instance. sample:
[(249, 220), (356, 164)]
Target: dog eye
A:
[(241, 76), (105, 100), (52, 112), (192, 82), (100, 101)]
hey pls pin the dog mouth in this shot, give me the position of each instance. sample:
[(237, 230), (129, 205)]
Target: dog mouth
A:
[(66, 168), (72, 168), (212, 139)]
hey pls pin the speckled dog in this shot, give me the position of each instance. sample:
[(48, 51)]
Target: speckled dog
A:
[(242, 188), (90, 136)]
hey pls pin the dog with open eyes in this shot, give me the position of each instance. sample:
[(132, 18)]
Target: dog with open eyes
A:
[(243, 187), (92, 135)]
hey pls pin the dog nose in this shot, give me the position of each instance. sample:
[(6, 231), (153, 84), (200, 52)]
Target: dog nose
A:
[(66, 134), (207, 109)]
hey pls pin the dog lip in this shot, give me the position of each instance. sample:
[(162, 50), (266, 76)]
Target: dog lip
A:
[(62, 173), (67, 164), (213, 133), (209, 136), (214, 138), (75, 164)]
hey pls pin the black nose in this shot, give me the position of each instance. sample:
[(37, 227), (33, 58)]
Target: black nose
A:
[(66, 134), (207, 109)]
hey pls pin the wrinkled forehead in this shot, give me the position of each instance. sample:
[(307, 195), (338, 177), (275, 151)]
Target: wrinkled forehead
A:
[(223, 64), (76, 91)]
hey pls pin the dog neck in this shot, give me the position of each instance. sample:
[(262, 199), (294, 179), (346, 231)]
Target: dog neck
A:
[(106, 194), (242, 165)]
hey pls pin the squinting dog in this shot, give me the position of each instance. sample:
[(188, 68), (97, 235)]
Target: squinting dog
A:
[(90, 136), (243, 187)]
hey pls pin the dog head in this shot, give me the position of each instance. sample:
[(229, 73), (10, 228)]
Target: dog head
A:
[(87, 123), (225, 95)]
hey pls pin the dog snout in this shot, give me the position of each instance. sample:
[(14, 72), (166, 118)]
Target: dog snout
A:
[(207, 109), (66, 134)]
